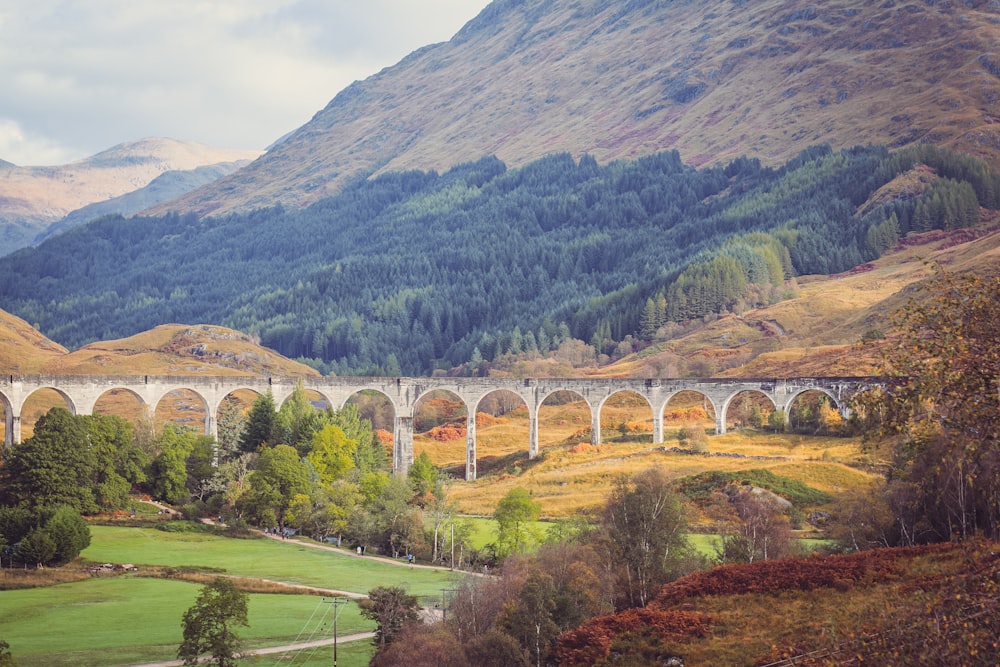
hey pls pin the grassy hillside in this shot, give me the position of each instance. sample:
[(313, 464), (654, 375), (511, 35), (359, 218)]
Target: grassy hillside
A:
[(22, 348), (621, 80), (170, 349), (817, 331), (414, 272), (178, 349)]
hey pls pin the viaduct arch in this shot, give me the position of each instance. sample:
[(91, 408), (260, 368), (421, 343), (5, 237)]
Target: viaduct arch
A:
[(81, 393)]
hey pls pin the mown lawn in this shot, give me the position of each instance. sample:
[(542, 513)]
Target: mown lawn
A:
[(261, 558), (128, 619)]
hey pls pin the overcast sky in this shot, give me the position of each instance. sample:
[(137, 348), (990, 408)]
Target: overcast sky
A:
[(79, 76)]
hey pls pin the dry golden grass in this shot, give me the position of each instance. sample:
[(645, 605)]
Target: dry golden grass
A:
[(570, 477), (245, 584), (177, 349), (23, 350), (816, 332), (13, 578)]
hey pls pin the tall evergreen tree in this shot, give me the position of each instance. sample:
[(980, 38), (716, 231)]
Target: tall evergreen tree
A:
[(261, 425)]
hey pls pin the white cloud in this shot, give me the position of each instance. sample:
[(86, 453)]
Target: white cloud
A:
[(79, 77), (24, 150)]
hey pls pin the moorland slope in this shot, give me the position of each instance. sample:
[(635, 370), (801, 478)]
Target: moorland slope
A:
[(170, 349), (528, 78)]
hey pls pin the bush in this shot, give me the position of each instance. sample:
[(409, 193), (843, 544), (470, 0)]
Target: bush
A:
[(52, 536), (70, 534)]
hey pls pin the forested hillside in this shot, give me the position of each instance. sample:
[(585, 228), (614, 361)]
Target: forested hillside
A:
[(416, 271)]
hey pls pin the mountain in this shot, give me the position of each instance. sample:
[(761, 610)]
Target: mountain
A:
[(170, 349), (32, 198), (815, 332), (458, 270), (614, 79), (166, 186)]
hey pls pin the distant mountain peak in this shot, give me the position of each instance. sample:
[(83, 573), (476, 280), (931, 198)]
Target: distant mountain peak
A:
[(32, 198)]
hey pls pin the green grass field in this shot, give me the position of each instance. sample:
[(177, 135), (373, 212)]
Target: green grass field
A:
[(287, 562), (128, 619)]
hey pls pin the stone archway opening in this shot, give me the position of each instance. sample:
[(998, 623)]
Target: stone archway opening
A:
[(748, 410), (814, 412), (626, 417), (439, 428), (231, 417), (8, 415), (687, 412), (564, 419), (502, 431), (378, 409), (317, 400), (37, 404), (183, 407), (123, 403)]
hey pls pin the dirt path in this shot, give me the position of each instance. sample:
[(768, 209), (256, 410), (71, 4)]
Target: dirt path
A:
[(274, 649)]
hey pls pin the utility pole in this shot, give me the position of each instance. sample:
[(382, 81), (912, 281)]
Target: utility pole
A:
[(444, 602), (336, 602)]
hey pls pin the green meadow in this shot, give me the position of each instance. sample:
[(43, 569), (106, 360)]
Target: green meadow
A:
[(130, 619), (287, 562)]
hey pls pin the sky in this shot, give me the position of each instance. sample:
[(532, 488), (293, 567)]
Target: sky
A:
[(80, 76)]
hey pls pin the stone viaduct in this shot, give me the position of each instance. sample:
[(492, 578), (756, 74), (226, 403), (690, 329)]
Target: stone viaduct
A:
[(82, 392)]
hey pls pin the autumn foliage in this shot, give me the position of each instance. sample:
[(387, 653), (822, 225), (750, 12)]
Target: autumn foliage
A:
[(591, 642), (804, 574), (447, 432), (949, 618)]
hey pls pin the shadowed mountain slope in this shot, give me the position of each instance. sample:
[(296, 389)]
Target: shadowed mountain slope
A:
[(168, 185), (528, 78)]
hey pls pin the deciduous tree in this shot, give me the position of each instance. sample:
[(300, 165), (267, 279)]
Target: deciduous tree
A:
[(209, 624), (942, 408), (515, 515), (168, 474), (390, 607), (55, 466), (331, 453), (763, 531), (279, 477), (643, 531)]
